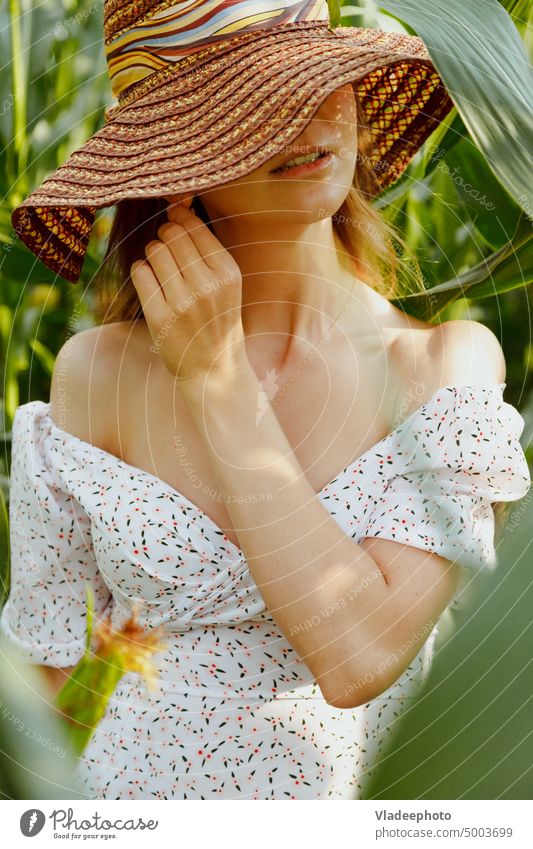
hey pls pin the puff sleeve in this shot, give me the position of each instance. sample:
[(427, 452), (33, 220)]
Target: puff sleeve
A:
[(455, 457), (52, 556)]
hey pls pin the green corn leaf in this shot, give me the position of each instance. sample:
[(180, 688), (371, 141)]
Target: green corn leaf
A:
[(84, 697), (478, 52), (44, 355), (334, 13), (450, 132), (510, 267), (4, 547)]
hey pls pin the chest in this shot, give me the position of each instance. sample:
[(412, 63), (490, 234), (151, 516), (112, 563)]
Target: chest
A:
[(331, 410)]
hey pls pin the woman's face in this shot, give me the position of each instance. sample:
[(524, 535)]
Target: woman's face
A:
[(309, 195)]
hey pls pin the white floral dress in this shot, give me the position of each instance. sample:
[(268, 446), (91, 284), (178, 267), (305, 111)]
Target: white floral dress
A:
[(236, 713)]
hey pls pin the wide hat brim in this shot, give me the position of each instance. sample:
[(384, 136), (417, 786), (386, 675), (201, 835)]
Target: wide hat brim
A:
[(221, 112)]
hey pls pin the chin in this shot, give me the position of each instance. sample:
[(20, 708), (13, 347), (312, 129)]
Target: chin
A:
[(314, 203)]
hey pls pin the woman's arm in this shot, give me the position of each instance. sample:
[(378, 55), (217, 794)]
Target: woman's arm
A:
[(355, 623), (348, 609), (56, 677), (356, 626)]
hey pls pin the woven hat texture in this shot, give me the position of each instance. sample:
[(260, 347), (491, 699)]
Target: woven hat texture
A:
[(206, 92)]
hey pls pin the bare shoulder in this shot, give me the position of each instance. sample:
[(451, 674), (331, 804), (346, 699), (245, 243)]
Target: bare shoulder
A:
[(466, 352), (454, 353), (84, 383)]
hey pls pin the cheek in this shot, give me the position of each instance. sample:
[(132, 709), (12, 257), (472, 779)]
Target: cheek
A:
[(233, 198), (340, 105), (346, 138), (342, 116), (348, 120)]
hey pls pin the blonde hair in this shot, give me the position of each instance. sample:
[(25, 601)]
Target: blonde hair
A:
[(383, 259)]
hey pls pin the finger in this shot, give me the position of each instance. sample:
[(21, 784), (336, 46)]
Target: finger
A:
[(213, 252), (147, 286), (164, 266), (186, 200), (182, 248)]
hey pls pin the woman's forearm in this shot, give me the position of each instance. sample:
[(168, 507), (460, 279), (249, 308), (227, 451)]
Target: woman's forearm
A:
[(301, 561), (56, 676), (306, 568), (326, 593)]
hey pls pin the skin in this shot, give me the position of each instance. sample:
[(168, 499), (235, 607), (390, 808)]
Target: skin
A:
[(275, 278)]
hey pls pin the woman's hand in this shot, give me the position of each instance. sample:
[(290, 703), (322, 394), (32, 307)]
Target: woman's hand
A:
[(190, 289)]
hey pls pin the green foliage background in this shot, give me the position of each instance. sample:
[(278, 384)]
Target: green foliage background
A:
[(472, 238)]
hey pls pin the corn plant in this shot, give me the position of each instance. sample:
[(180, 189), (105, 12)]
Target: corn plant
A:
[(85, 695), (464, 205)]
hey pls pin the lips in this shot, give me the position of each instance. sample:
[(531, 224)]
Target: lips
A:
[(304, 156)]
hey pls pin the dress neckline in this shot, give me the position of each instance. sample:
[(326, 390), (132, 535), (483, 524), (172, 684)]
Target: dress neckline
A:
[(202, 515)]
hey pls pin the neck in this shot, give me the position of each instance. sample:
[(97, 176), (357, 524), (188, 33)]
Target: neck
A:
[(296, 278)]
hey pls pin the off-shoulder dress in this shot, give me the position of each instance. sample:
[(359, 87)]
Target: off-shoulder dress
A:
[(236, 713)]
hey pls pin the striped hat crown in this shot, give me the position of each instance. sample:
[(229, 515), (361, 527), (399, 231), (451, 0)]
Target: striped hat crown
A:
[(144, 37)]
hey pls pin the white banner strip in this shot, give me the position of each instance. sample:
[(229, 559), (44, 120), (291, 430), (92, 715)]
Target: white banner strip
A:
[(261, 824)]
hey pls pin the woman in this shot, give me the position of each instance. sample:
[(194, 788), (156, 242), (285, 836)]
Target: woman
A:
[(300, 603)]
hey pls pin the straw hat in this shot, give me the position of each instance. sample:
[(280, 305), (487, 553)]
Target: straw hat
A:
[(209, 90)]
